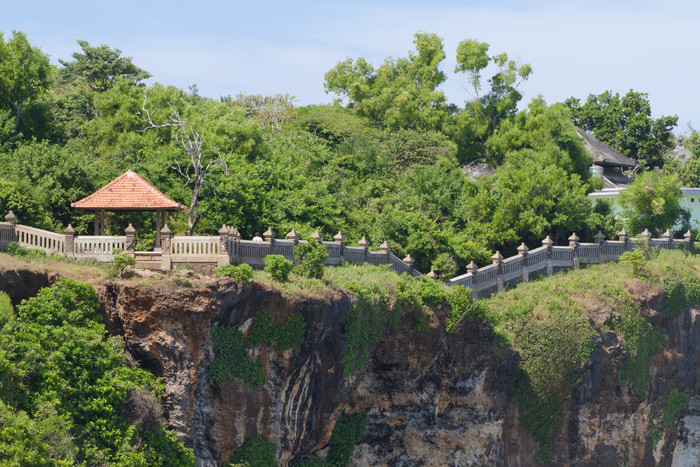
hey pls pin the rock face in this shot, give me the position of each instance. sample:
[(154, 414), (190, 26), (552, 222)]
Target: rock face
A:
[(430, 398)]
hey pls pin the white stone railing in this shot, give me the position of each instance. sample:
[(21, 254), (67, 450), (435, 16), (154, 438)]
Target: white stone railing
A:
[(229, 248), (30, 237), (100, 247), (549, 259), (195, 246), (7, 233)]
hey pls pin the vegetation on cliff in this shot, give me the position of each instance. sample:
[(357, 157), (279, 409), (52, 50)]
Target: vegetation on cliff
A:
[(67, 393), (550, 323)]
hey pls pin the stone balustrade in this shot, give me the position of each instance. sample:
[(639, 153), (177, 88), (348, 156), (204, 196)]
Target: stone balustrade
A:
[(228, 247)]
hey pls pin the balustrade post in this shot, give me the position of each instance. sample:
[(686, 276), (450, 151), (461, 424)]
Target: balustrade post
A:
[(431, 275), (688, 240), (235, 243), (547, 243), (522, 252), (498, 262), (573, 244), (624, 238), (166, 245), (269, 236), (11, 219), (339, 238), (364, 244), (646, 237), (385, 250), (224, 254), (130, 244), (600, 239), (223, 239), (668, 238), (408, 261), (473, 269), (70, 240)]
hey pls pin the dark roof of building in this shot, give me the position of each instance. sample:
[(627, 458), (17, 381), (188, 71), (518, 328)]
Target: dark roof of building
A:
[(603, 154), (128, 192)]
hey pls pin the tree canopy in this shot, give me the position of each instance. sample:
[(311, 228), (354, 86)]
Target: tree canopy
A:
[(625, 124)]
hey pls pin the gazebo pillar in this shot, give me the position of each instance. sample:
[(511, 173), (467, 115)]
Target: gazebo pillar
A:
[(97, 223), (158, 227)]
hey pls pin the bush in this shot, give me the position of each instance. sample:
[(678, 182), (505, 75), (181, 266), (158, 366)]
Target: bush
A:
[(676, 402), (231, 358), (278, 267), (348, 431), (255, 452), (290, 335), (444, 266), (120, 262), (462, 302), (431, 292), (6, 313), (312, 257), (15, 249), (239, 272)]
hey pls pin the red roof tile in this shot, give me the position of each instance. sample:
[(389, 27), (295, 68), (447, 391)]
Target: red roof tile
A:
[(128, 192)]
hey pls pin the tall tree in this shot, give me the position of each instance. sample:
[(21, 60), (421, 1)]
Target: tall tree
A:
[(99, 67), (651, 202), (471, 126), (625, 124), (401, 93), (24, 73)]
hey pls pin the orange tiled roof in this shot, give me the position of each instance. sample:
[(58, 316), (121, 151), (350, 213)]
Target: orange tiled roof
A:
[(128, 192)]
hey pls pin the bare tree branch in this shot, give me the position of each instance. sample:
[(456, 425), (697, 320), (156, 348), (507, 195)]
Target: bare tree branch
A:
[(198, 167)]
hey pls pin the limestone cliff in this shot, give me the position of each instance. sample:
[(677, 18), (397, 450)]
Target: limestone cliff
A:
[(431, 398)]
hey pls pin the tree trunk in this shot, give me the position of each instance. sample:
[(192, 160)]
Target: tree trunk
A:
[(192, 216)]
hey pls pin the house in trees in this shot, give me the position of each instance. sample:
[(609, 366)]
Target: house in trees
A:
[(608, 164)]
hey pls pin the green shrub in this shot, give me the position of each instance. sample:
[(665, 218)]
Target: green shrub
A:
[(676, 402), (182, 282), (121, 261), (290, 335), (15, 249), (444, 266), (311, 257), (239, 272), (278, 267), (6, 312), (232, 359), (64, 384), (432, 293), (462, 302), (348, 431), (255, 452)]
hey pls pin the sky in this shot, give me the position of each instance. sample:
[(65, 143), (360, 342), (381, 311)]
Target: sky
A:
[(227, 47)]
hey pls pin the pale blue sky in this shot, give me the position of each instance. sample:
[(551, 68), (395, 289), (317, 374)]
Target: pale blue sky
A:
[(226, 47)]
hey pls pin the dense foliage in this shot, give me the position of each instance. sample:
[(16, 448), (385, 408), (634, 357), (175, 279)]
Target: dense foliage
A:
[(387, 166), (68, 395)]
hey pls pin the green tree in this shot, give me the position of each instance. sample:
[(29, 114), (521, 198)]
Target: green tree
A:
[(24, 73), (651, 202), (625, 124), (471, 126), (401, 93), (100, 67)]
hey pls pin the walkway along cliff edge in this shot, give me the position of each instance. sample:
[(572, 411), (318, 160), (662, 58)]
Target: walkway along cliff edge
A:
[(228, 247)]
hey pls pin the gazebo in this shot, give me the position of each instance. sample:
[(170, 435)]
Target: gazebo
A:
[(128, 192)]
